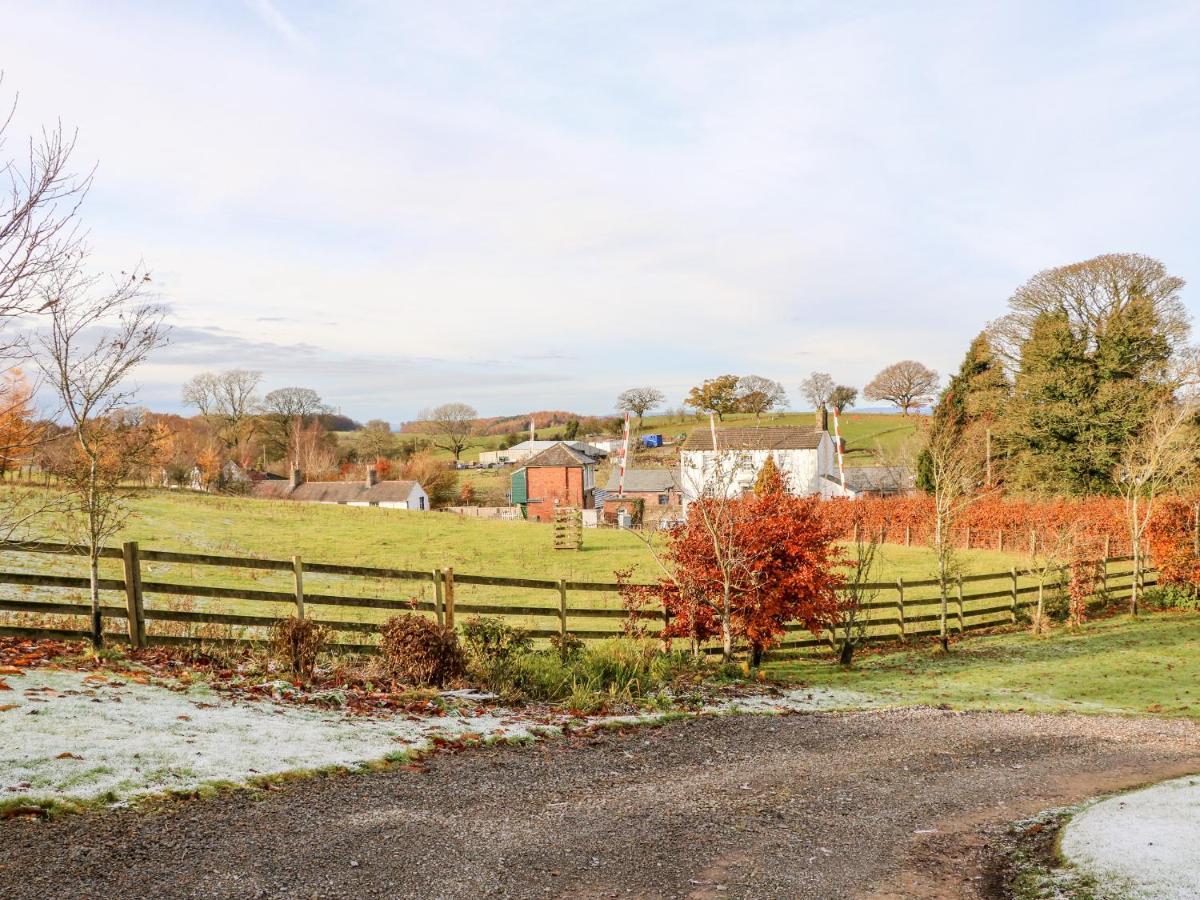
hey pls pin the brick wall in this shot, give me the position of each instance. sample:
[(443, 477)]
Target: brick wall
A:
[(548, 484)]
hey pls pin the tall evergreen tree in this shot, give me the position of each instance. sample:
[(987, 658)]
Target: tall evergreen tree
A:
[(973, 401)]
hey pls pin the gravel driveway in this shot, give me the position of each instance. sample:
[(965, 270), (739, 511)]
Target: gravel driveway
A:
[(876, 804)]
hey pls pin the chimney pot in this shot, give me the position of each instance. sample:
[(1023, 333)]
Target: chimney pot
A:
[(822, 417), (297, 477)]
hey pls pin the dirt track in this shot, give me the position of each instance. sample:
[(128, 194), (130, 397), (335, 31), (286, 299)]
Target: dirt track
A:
[(891, 804)]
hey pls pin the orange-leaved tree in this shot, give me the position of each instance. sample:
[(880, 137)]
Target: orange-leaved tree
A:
[(742, 568)]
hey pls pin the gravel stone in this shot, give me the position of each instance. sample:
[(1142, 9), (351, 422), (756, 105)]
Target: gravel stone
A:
[(882, 804)]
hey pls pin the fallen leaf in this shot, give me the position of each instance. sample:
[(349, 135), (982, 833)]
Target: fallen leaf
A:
[(68, 755), (3, 686), (11, 670), (5, 707)]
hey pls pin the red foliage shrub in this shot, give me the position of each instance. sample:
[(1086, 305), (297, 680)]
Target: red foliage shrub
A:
[(770, 556)]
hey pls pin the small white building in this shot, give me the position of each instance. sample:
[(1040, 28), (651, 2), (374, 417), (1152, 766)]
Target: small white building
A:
[(805, 456), (519, 453), (369, 492)]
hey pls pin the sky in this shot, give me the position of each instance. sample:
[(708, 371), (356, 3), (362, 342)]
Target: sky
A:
[(536, 205)]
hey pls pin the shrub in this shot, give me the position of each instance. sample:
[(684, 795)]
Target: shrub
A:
[(492, 647), (567, 646), (490, 640), (419, 651), (297, 643), (1171, 596)]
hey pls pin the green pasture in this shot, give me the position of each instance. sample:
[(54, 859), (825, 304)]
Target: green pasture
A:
[(1148, 665), (396, 539)]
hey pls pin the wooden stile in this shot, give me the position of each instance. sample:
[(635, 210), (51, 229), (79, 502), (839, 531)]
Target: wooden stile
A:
[(900, 606)]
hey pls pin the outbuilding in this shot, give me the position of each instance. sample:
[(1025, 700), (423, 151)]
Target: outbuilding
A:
[(557, 477), (368, 492)]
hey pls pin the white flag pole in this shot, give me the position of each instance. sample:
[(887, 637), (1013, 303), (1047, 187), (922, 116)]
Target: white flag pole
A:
[(624, 457), (837, 436)]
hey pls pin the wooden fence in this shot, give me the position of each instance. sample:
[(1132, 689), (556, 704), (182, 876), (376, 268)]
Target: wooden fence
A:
[(900, 609)]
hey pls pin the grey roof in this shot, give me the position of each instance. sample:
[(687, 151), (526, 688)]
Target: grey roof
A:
[(658, 480), (539, 446), (337, 491), (769, 437), (877, 478), (559, 455)]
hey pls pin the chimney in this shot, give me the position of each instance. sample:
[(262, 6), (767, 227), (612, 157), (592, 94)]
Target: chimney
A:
[(372, 476), (822, 417), (297, 477)]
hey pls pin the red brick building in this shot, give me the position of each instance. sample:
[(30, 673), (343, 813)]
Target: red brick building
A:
[(559, 476)]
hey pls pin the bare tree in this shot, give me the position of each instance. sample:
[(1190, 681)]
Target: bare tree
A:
[(907, 383), (1160, 458), (639, 401), (453, 424), (851, 631), (956, 475), (1046, 562), (376, 440), (96, 335), (227, 400), (39, 199), (286, 411), (817, 388), (1092, 294), (842, 397), (758, 395)]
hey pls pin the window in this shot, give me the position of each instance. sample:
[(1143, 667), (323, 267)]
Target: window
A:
[(421, 502), (663, 499), (373, 503)]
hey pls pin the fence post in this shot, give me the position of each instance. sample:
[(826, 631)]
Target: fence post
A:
[(562, 613), (298, 578), (900, 605), (438, 601), (1000, 539), (968, 537), (448, 595), (959, 590), (134, 606), (907, 535), (1012, 603)]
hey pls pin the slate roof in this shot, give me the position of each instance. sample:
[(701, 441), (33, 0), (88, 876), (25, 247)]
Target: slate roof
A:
[(657, 481), (877, 478), (769, 437), (559, 455), (337, 491)]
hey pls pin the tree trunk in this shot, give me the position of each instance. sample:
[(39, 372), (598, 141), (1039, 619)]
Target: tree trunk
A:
[(846, 654), (94, 591), (726, 631)]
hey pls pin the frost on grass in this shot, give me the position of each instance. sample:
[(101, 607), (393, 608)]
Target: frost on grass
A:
[(1142, 844), (813, 699), (65, 735)]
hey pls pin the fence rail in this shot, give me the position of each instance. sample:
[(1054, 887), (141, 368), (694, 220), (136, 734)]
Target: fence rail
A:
[(903, 612)]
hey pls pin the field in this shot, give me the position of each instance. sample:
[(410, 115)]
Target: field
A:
[(169, 520), (865, 433), (177, 521), (1146, 666)]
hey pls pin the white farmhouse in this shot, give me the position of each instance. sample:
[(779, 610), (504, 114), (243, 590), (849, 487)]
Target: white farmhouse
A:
[(805, 456), (369, 492)]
